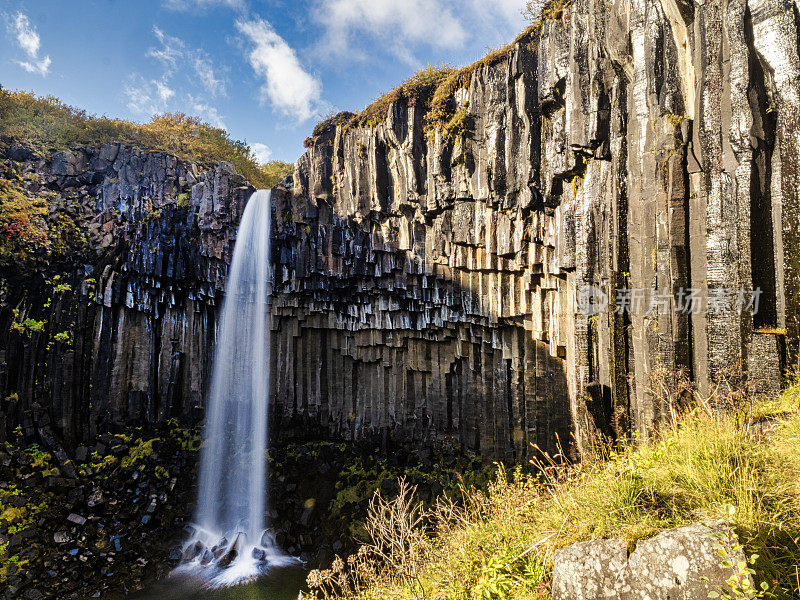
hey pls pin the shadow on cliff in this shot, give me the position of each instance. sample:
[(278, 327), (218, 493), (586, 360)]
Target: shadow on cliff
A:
[(374, 342)]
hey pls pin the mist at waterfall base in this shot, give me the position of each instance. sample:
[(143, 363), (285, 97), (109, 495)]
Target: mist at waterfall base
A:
[(230, 543)]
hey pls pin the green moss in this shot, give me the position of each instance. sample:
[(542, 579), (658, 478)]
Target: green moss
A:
[(3, 561), (458, 126), (334, 186), (63, 337), (101, 463), (41, 459), (676, 120), (138, 453), (28, 326), (188, 439), (361, 149)]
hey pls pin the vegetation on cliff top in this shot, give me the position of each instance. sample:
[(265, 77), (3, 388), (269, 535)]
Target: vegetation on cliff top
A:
[(433, 88), (47, 124), (742, 466)]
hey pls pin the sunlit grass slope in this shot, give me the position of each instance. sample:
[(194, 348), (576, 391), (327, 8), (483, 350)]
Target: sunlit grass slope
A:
[(743, 466)]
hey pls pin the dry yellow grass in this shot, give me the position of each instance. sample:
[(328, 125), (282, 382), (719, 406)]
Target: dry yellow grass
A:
[(703, 463)]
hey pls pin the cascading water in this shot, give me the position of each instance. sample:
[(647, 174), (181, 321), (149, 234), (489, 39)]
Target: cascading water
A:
[(230, 542)]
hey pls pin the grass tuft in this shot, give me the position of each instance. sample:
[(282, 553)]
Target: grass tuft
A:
[(704, 465)]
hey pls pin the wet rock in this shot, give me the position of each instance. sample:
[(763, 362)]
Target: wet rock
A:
[(95, 498), (259, 554), (61, 537), (77, 519)]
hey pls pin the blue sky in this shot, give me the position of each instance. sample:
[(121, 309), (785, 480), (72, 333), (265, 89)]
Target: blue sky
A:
[(266, 70)]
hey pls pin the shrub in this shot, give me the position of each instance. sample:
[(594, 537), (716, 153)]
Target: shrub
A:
[(47, 124), (333, 120), (416, 91), (274, 171)]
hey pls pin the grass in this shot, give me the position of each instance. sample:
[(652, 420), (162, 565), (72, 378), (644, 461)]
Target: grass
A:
[(416, 91), (46, 124), (703, 465)]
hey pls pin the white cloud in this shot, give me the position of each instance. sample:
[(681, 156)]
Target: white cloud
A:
[(172, 49), (199, 5), (147, 97), (173, 54), (396, 22), (401, 26), (30, 43), (207, 112), (163, 90), (188, 82), (287, 85), (262, 152), (204, 69)]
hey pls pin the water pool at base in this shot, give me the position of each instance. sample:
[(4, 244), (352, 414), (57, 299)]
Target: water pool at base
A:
[(282, 583)]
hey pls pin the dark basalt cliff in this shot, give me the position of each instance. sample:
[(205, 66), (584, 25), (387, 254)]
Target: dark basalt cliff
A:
[(123, 334), (426, 284)]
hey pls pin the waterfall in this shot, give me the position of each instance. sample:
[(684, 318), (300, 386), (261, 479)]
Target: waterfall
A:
[(230, 542)]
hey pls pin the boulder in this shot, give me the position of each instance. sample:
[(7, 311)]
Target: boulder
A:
[(677, 564), (589, 570)]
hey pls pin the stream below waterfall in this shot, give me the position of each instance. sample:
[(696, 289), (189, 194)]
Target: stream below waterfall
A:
[(281, 583)]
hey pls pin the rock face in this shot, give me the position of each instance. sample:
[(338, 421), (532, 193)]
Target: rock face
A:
[(126, 329), (680, 564), (428, 285)]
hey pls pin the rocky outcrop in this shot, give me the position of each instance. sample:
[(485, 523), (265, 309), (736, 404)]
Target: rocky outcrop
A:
[(430, 286), (121, 330), (685, 563)]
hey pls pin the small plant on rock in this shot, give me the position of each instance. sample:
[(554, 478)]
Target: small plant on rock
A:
[(740, 583)]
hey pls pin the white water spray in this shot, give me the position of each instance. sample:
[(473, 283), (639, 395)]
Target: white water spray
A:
[(230, 543)]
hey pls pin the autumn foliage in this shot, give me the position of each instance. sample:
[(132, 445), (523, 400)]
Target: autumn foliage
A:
[(47, 124)]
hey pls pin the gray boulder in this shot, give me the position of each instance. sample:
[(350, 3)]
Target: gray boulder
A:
[(677, 564)]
